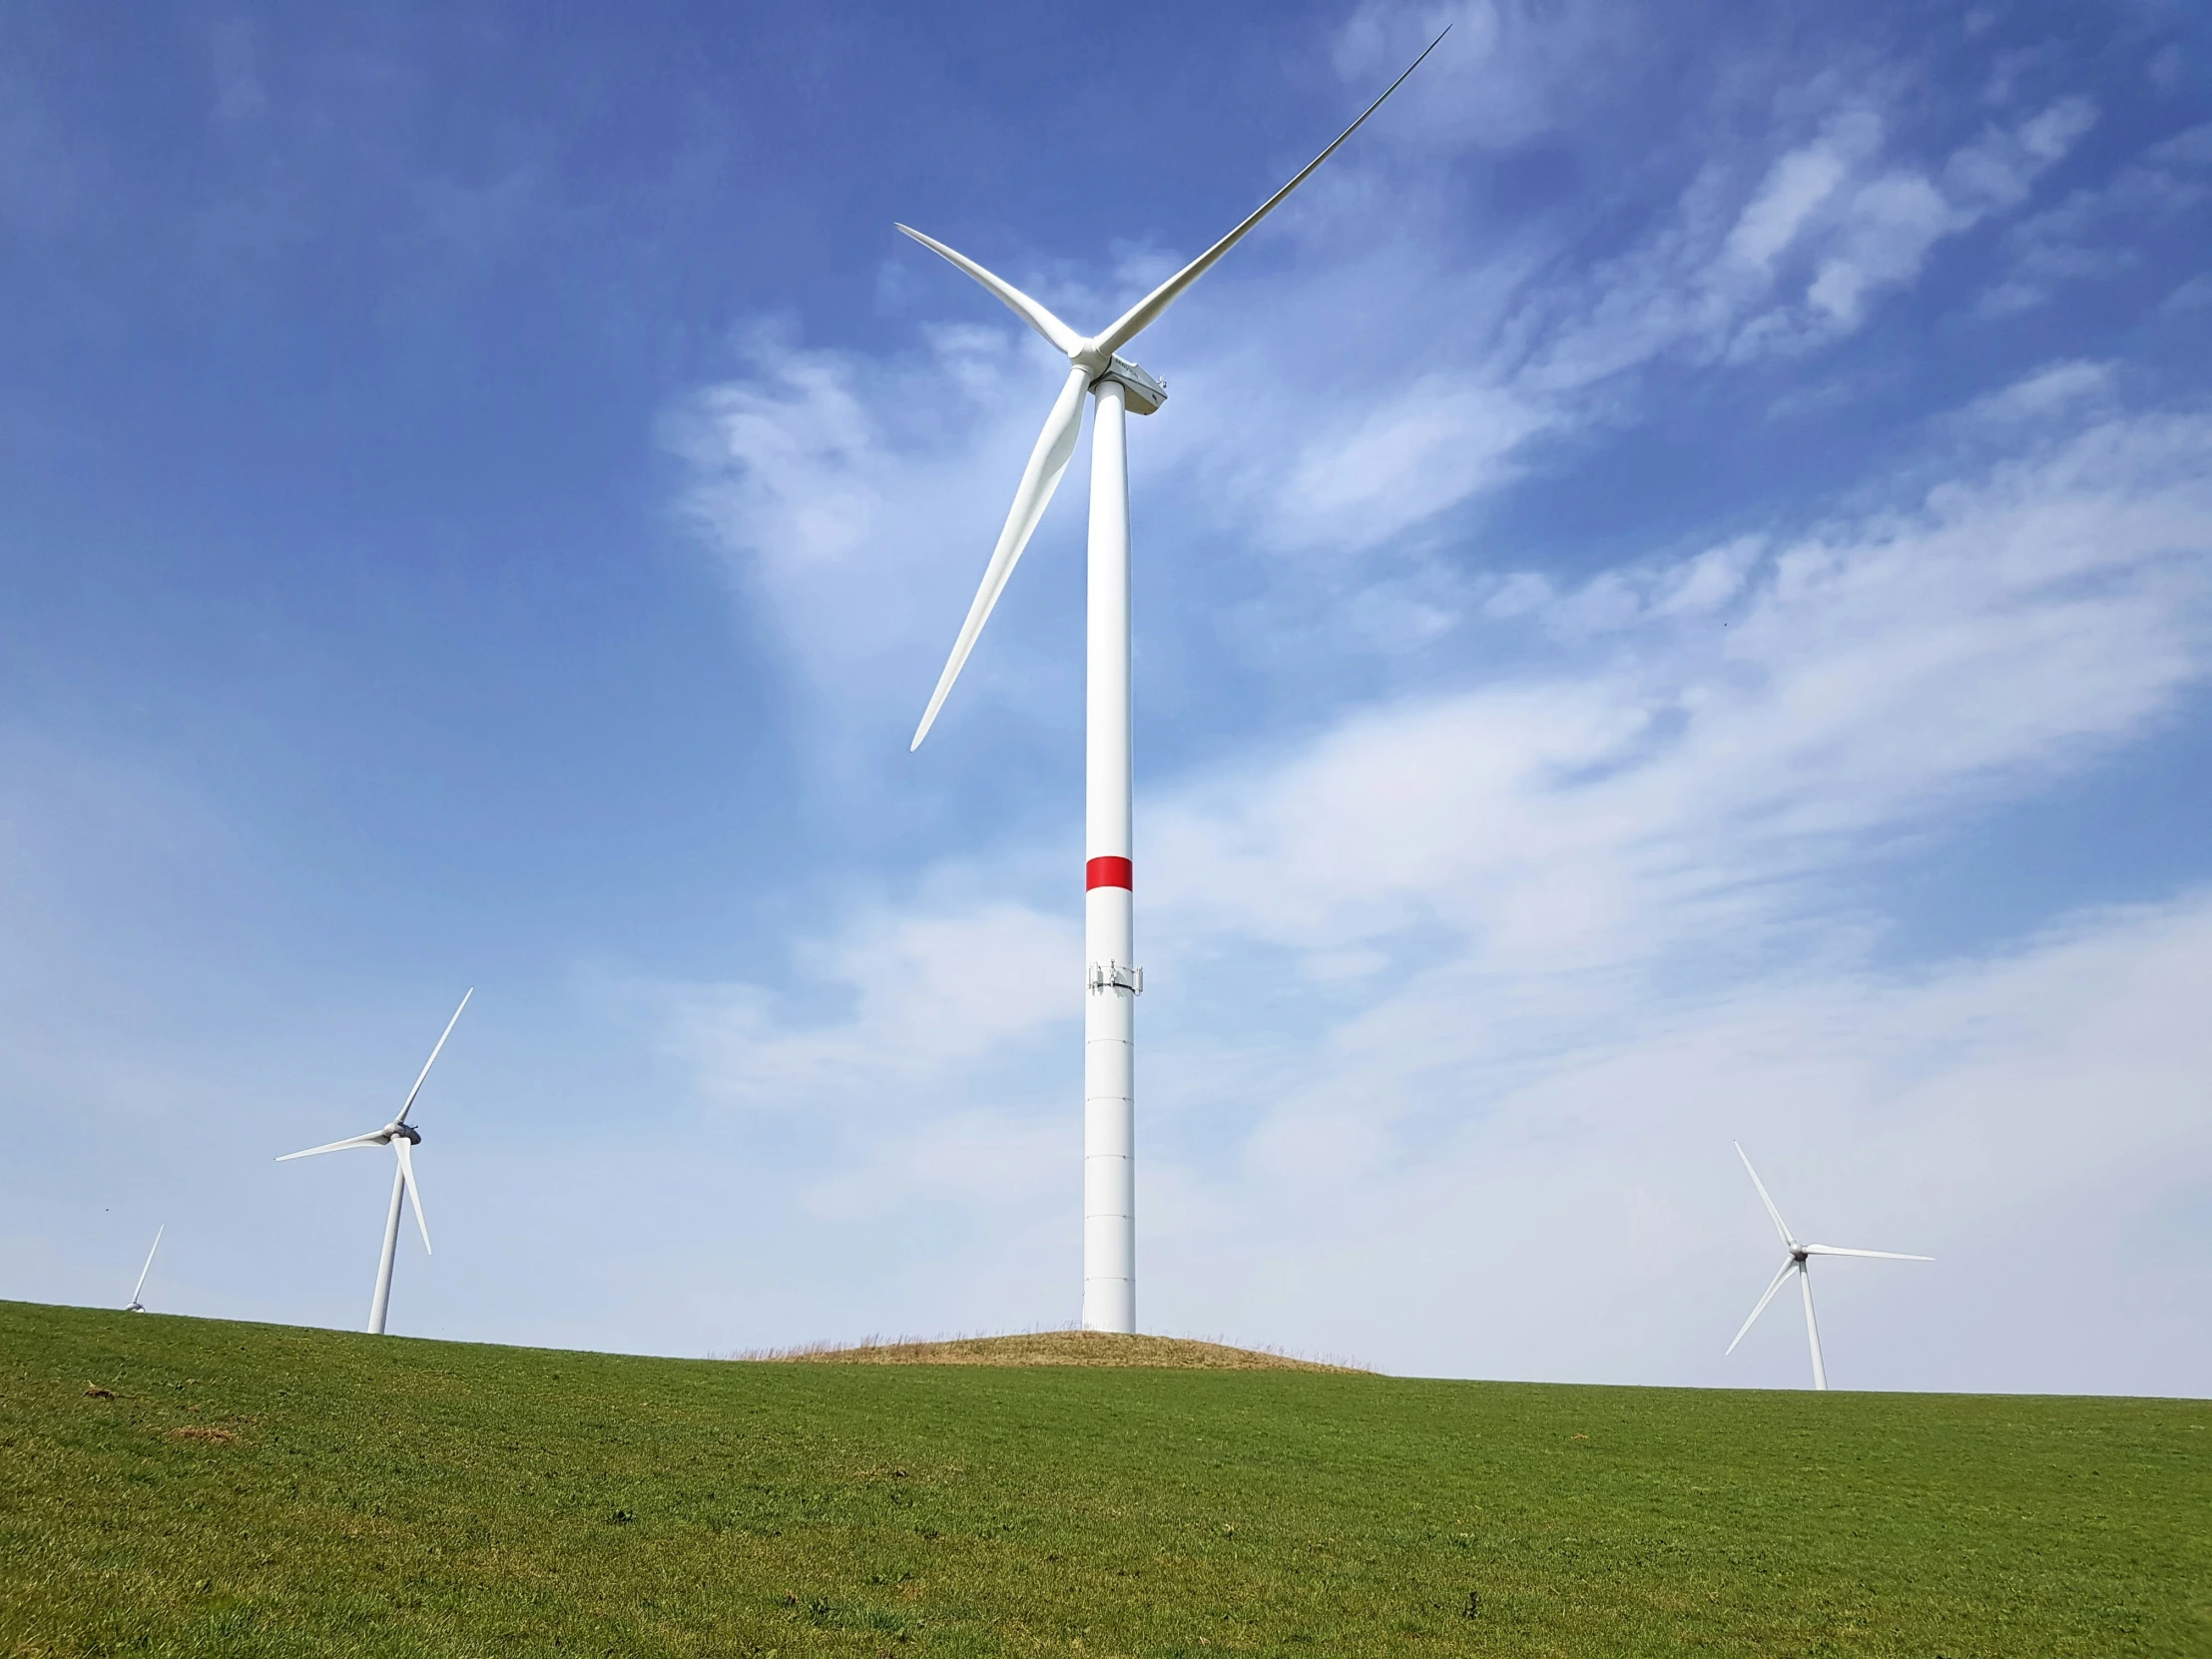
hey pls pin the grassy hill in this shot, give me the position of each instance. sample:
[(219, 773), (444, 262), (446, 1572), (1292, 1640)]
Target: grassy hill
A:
[(1054, 1348), (175, 1487)]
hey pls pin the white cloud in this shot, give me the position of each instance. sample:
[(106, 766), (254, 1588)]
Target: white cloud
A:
[(816, 470), (2052, 390), (1890, 225), (1876, 233), (2193, 295), (1551, 941), (1799, 184), (1789, 265), (2094, 231), (1400, 461), (917, 997), (1437, 981), (2029, 1118), (1516, 69), (1466, 965), (2002, 622), (2001, 169), (854, 502)]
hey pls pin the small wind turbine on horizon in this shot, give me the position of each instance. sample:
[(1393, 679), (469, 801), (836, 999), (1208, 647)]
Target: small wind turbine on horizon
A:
[(402, 1137), (138, 1306), (1800, 1264), (1097, 371)]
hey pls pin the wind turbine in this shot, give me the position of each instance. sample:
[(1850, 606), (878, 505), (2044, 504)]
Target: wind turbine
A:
[(1800, 1264), (402, 1137), (1117, 385), (138, 1306)]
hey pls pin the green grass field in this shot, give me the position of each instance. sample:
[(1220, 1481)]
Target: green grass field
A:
[(254, 1490)]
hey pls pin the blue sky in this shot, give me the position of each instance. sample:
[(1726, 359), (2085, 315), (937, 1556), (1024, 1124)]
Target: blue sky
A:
[(1673, 606)]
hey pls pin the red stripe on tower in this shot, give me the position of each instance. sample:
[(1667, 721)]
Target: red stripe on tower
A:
[(1107, 872)]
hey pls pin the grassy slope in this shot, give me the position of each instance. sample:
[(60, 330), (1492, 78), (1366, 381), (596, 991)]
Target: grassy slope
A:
[(395, 1496)]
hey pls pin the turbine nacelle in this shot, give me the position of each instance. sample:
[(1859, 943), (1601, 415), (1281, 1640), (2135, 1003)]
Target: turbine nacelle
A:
[(1141, 392)]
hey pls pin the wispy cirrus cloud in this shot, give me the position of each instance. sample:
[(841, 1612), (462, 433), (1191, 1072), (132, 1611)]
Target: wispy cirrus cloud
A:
[(923, 997), (1514, 920), (819, 468), (2096, 232), (1451, 958), (1740, 720), (1518, 70), (1799, 261), (1553, 764)]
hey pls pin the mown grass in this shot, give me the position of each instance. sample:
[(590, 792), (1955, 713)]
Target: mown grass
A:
[(388, 1496)]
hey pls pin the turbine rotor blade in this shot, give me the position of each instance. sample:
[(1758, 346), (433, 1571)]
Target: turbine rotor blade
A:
[(1064, 338), (433, 1059), (377, 1139), (1055, 445), (1146, 312), (401, 1145), (148, 1268), (1760, 1306), (1886, 1255), (1780, 1226)]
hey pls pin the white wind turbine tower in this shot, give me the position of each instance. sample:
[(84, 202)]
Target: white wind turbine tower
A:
[(1109, 1023), (402, 1137), (138, 1306), (1800, 1264)]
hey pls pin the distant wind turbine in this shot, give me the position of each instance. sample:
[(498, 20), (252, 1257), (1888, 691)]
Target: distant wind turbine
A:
[(1799, 1264), (402, 1137), (1117, 385), (138, 1306)]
